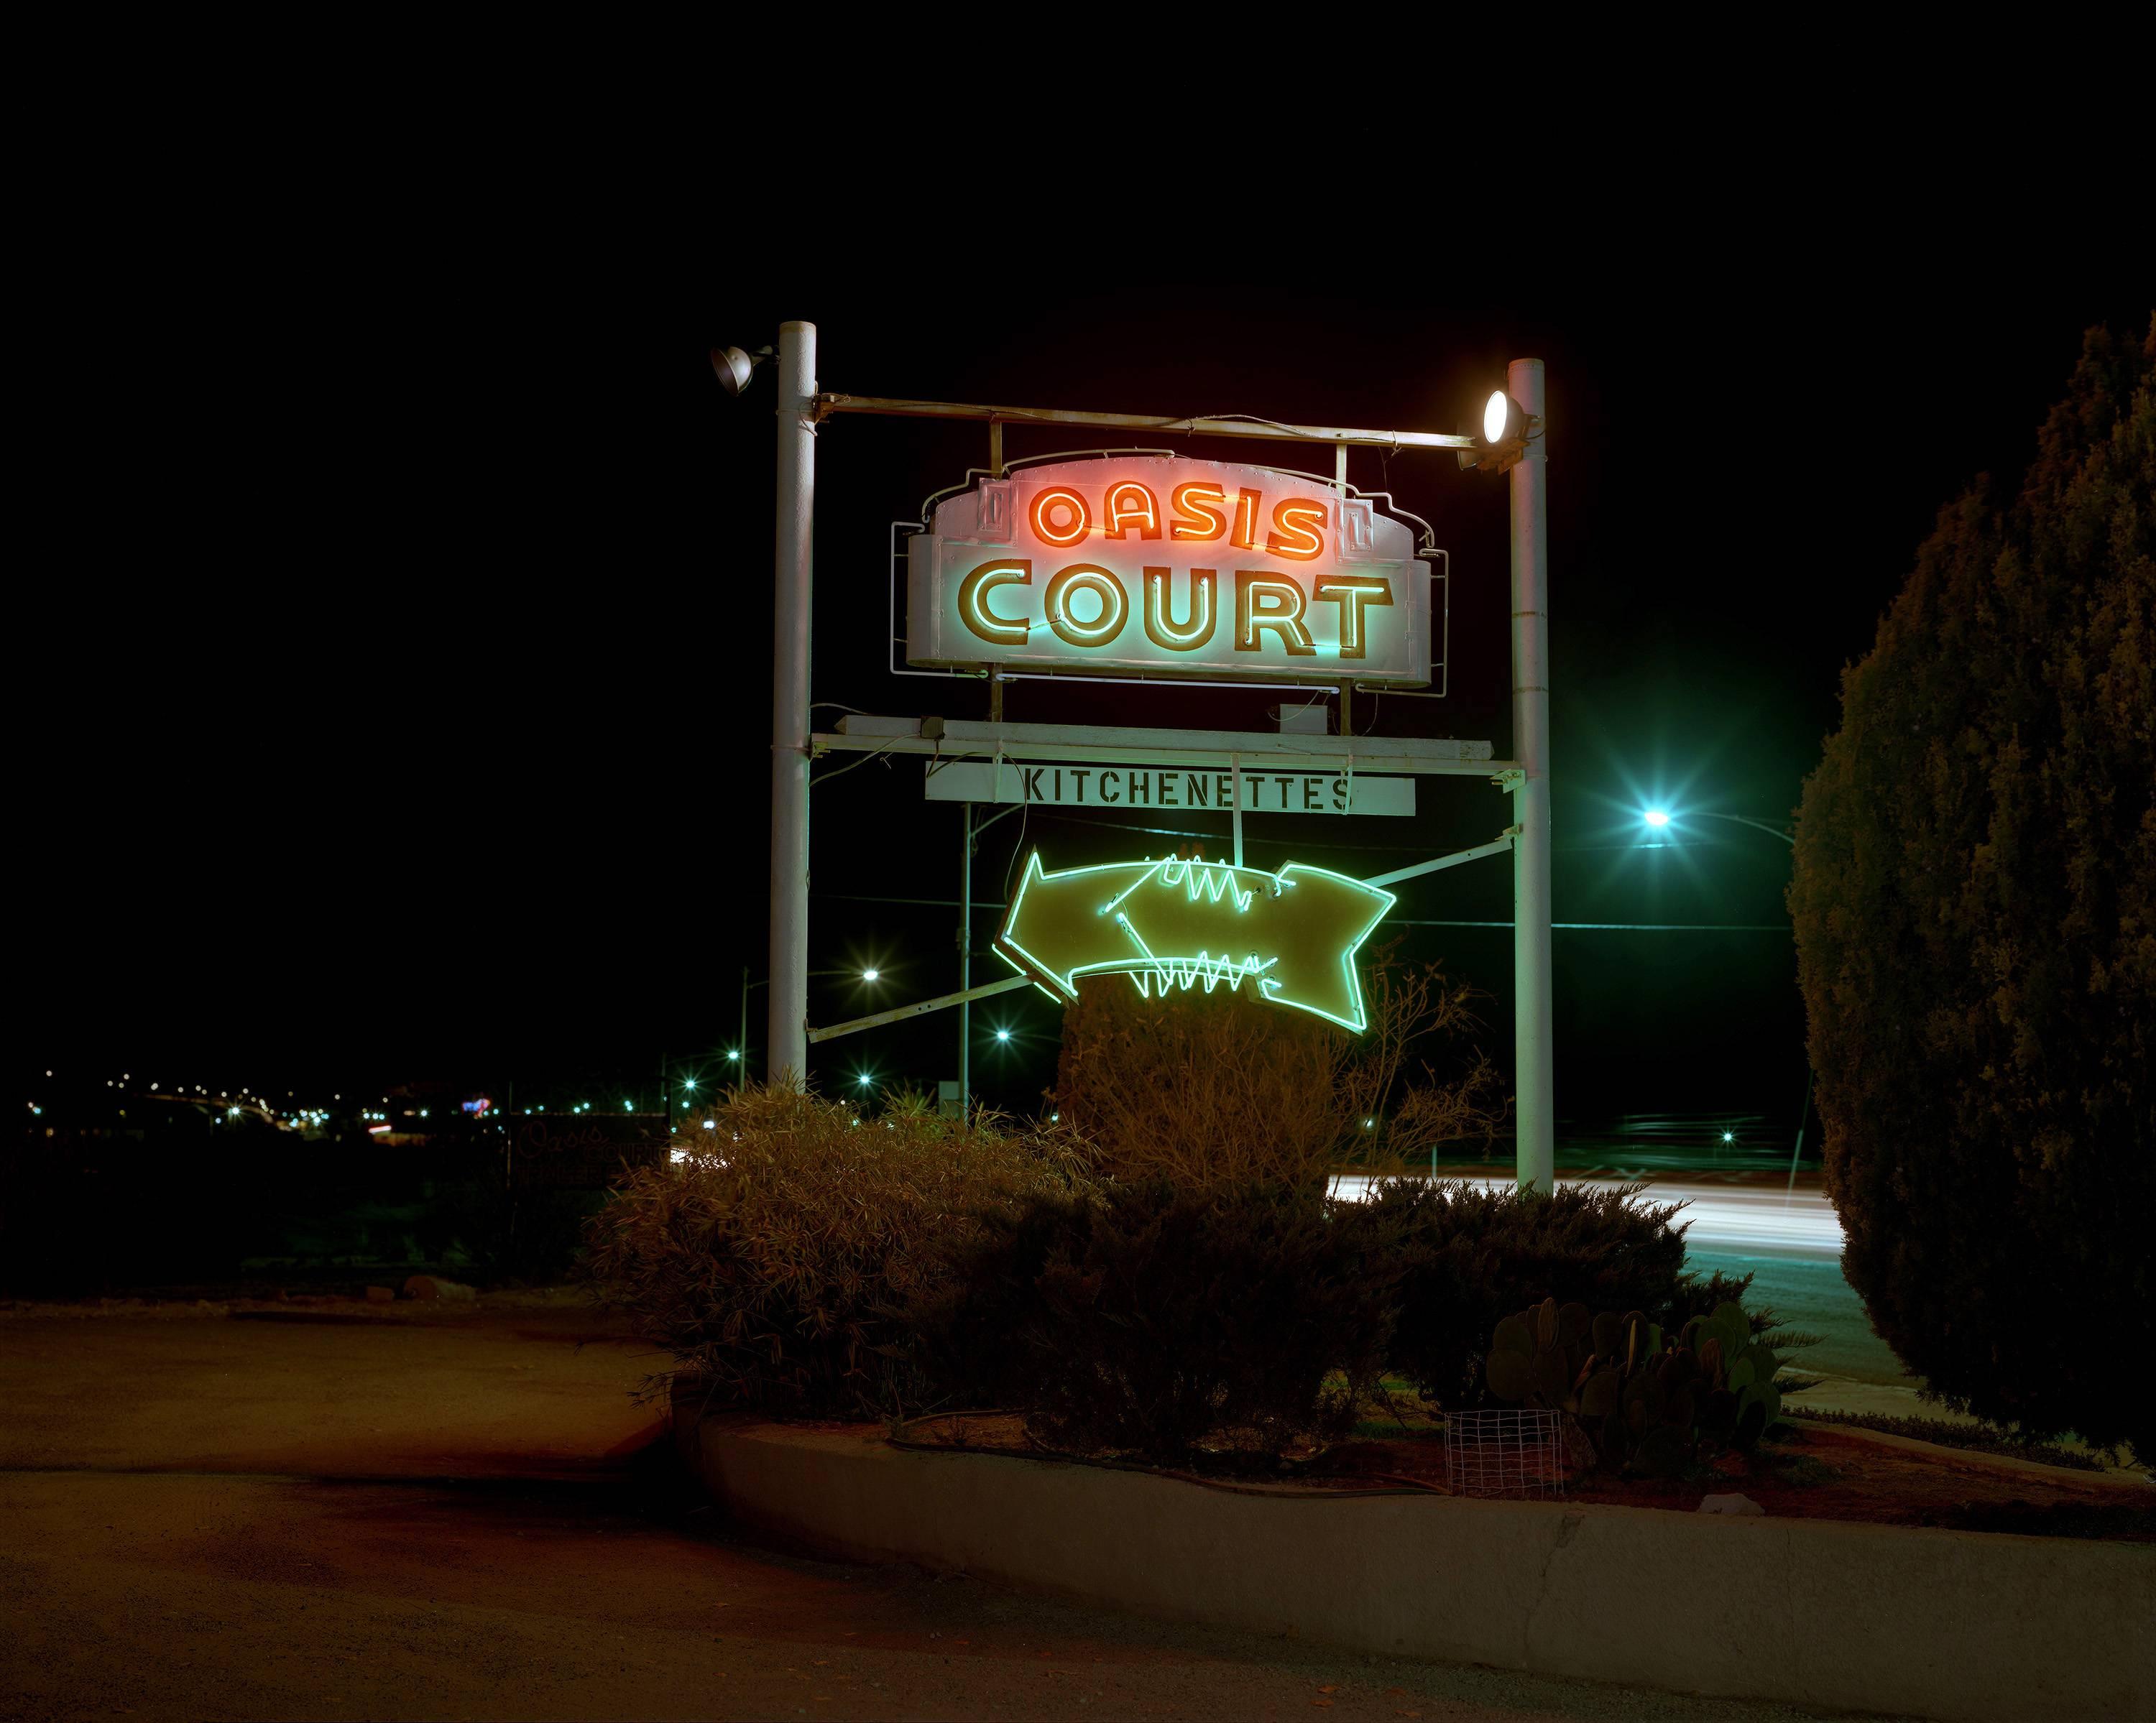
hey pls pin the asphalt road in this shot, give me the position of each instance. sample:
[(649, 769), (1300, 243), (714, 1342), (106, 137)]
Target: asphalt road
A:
[(442, 1512)]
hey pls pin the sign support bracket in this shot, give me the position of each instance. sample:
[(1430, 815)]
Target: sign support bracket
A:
[(938, 1003), (1497, 847)]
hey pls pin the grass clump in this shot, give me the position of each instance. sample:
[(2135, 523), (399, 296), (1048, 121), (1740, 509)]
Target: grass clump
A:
[(777, 1258), (1977, 1437)]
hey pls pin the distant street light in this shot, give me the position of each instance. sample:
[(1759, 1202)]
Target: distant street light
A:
[(1658, 817)]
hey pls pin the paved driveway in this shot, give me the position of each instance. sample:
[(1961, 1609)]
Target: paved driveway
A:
[(457, 1512)]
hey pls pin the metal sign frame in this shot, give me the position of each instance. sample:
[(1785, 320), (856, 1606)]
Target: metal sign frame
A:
[(802, 408)]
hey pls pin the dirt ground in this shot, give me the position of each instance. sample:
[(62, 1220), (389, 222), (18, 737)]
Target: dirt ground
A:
[(334, 1510)]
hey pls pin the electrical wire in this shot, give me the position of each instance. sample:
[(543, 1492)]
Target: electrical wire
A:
[(825, 778)]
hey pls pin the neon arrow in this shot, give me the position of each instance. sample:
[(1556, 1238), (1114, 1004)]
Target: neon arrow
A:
[(1292, 934)]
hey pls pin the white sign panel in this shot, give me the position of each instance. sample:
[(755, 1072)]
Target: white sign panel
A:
[(1137, 564), (1148, 788)]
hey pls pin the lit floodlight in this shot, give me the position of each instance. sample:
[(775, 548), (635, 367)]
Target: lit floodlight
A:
[(1495, 412), (1729, 1136), (865, 1079), (734, 367), (690, 1084), (733, 1053), (1499, 436), (1657, 817), (870, 974), (1003, 1034)]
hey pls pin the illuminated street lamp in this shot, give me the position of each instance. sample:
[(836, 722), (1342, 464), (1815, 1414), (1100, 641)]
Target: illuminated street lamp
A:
[(1659, 818)]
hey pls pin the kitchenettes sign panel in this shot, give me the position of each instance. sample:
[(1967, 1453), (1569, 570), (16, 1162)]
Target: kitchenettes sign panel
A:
[(1147, 566)]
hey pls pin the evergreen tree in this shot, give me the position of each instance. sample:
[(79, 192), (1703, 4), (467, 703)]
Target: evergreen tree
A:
[(1974, 899)]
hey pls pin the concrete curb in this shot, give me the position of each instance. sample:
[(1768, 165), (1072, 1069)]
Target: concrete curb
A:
[(1948, 1624)]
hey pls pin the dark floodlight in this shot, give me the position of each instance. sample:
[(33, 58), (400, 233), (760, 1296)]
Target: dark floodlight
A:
[(734, 367)]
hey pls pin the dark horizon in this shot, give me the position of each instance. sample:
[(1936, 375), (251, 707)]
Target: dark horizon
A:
[(477, 792)]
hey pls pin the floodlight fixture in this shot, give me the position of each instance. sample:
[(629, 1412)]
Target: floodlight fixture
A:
[(1656, 817), (870, 974), (734, 367), (1003, 1034), (734, 1053), (1501, 434)]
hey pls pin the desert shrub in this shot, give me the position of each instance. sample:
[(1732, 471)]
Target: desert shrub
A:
[(1219, 1091), (1648, 1401), (1974, 901), (1167, 1323), (774, 1261), (1470, 1256)]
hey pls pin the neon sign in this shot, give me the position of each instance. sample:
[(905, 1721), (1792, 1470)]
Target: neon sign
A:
[(1136, 564), (1291, 935)]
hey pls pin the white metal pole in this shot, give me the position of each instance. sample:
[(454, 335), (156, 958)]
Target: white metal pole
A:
[(1534, 1053), (1236, 774), (787, 1060), (965, 954)]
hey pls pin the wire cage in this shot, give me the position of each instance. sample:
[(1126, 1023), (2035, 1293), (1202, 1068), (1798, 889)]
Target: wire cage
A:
[(1512, 1453)]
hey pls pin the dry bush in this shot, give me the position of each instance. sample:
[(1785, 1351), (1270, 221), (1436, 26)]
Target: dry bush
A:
[(1211, 1090), (775, 1260)]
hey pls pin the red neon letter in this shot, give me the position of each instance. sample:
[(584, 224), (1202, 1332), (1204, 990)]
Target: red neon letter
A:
[(1198, 513), (1128, 505), (1245, 535), (1351, 592), (1297, 542), (1055, 498)]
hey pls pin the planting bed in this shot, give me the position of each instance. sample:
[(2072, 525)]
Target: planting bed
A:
[(1812, 1472)]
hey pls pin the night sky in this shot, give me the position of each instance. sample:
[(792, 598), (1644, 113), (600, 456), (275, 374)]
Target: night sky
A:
[(424, 732)]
